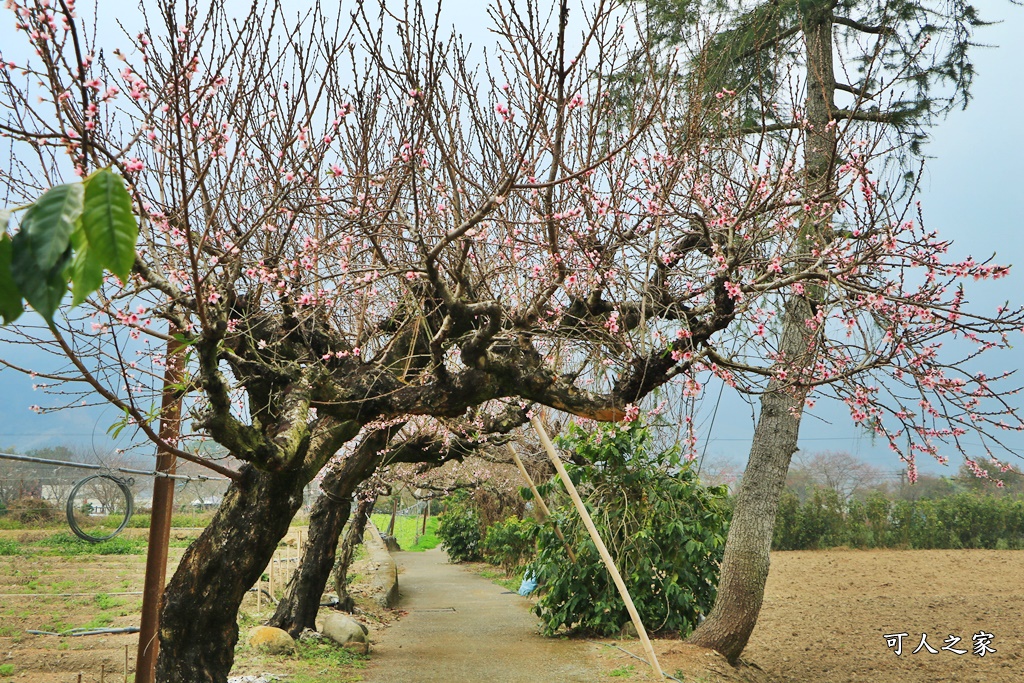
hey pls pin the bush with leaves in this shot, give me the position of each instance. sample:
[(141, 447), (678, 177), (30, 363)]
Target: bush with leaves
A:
[(965, 520), (510, 543), (665, 531), (458, 528)]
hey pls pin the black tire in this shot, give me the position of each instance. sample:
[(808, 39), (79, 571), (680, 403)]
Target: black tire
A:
[(129, 508)]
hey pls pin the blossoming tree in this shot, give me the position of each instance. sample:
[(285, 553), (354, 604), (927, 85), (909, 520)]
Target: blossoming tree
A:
[(840, 72), (345, 225)]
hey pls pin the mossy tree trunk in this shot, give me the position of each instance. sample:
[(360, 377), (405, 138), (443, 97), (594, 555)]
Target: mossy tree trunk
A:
[(353, 537)]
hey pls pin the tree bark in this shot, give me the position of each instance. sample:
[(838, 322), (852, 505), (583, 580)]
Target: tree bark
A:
[(301, 602), (745, 564), (325, 522), (746, 560), (198, 628), (353, 537)]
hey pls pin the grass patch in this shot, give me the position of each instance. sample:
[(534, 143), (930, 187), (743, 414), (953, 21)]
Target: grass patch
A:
[(314, 661), (623, 671), (105, 602), (6, 669), (182, 520), (100, 621), (328, 653), (66, 544), (499, 577), (9, 547), (406, 532)]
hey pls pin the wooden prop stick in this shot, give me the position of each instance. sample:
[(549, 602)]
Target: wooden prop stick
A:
[(608, 562), (540, 501)]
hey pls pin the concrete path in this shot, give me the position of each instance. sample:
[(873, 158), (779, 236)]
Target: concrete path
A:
[(460, 627)]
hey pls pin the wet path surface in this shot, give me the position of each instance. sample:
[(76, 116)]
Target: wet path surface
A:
[(462, 627)]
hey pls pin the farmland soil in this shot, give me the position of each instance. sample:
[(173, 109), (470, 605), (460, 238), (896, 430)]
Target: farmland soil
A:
[(826, 614), (824, 618)]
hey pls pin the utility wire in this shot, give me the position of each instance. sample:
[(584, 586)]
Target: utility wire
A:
[(708, 440), (126, 470)]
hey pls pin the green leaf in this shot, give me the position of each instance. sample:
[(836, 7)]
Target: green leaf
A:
[(43, 289), (86, 275), (47, 226), (10, 295), (110, 226)]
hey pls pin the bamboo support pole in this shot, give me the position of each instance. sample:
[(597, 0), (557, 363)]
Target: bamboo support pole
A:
[(601, 548), (394, 513), (540, 501)]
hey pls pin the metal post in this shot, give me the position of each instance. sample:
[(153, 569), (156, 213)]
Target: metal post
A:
[(160, 521), (601, 548)]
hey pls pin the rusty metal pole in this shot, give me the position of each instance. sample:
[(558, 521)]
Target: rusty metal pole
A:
[(160, 520)]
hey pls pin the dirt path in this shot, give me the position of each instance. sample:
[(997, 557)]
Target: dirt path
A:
[(462, 627)]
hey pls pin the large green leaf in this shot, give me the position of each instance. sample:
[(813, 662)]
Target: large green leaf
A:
[(47, 226), (10, 295), (86, 270), (42, 289), (109, 223)]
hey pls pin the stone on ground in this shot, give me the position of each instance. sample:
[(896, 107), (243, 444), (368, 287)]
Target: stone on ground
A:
[(273, 640), (344, 630)]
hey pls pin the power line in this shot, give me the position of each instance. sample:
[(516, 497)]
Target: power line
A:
[(126, 470)]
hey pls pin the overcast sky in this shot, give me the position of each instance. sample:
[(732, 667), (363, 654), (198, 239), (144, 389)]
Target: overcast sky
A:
[(972, 193)]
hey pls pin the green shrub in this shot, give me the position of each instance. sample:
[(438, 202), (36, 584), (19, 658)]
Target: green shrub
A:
[(786, 535), (459, 530), (664, 530), (510, 544), (964, 520), (821, 520), (9, 547)]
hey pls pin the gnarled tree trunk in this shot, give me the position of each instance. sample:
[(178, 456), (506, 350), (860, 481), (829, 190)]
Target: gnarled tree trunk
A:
[(198, 628), (301, 602), (353, 537)]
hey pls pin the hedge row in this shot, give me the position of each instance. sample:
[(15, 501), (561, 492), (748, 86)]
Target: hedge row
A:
[(965, 520)]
